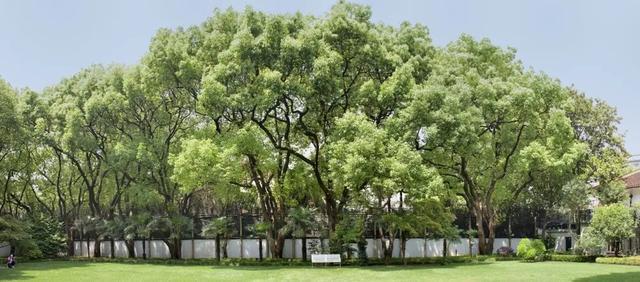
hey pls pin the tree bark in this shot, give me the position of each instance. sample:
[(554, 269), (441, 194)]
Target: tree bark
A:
[(260, 248), (218, 247), (144, 248), (131, 249), (113, 246), (304, 248)]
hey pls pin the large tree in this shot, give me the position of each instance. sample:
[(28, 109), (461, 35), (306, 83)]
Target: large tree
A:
[(490, 127)]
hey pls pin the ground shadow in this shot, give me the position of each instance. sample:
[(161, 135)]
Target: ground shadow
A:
[(381, 268), (19, 272), (618, 277)]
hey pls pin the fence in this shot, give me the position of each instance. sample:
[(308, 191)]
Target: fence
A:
[(5, 249), (249, 248)]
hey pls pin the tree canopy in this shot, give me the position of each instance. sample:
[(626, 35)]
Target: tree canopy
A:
[(367, 123)]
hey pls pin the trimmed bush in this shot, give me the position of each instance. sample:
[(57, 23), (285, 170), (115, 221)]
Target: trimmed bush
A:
[(571, 258), (296, 262), (624, 260), (531, 250)]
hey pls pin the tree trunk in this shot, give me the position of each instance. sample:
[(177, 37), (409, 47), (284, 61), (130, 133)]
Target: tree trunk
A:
[(260, 248), (224, 248), (113, 247), (276, 245), (481, 235), (71, 248), (509, 235), (445, 249), (144, 248), (131, 248), (88, 248), (304, 248), (403, 248), (293, 247), (485, 241), (96, 248), (388, 251), (218, 247)]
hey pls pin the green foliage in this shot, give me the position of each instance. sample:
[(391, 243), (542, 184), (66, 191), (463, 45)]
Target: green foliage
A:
[(281, 112), (612, 192), (348, 232), (12, 230), (635, 260), (48, 236), (18, 234), (589, 244), (531, 250), (300, 220), (221, 226), (612, 223), (572, 258)]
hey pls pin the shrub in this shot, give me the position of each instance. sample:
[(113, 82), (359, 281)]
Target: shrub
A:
[(589, 243), (504, 251), (294, 262), (531, 250), (47, 233), (624, 260), (572, 258)]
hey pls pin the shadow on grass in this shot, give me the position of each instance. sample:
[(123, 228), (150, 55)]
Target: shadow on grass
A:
[(381, 268), (19, 272), (618, 277)]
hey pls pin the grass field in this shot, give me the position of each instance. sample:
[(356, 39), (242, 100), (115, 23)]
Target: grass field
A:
[(496, 271)]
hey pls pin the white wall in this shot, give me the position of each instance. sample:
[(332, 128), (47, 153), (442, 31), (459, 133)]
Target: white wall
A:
[(5, 249), (416, 247)]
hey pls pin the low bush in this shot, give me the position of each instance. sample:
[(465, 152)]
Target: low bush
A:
[(571, 258), (504, 251), (620, 260), (296, 262), (531, 250)]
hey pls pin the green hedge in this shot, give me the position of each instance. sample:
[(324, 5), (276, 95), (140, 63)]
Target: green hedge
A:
[(624, 260), (296, 262), (571, 258)]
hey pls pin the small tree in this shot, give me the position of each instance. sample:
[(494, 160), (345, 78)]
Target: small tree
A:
[(137, 226), (299, 221), (115, 229), (84, 227), (12, 231), (613, 223), (589, 243), (216, 228), (531, 250), (348, 232), (260, 229)]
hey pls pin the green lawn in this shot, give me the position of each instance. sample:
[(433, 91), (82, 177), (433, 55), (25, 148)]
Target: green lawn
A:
[(496, 271)]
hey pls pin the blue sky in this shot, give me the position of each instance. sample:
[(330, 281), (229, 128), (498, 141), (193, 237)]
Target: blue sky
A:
[(593, 45)]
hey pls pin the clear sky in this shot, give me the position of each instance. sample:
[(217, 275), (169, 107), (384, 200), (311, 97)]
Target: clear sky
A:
[(593, 45)]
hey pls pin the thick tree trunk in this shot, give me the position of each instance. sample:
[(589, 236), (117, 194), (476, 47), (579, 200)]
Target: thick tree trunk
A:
[(388, 250), (304, 248), (445, 248), (88, 248), (71, 250), (225, 254), (96, 248), (175, 247), (113, 247), (131, 249), (218, 247), (485, 222), (276, 245)]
